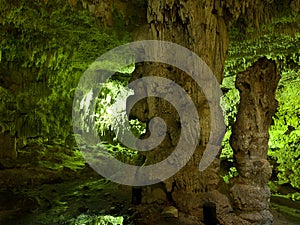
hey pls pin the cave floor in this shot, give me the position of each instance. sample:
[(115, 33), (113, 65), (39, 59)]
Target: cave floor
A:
[(63, 202)]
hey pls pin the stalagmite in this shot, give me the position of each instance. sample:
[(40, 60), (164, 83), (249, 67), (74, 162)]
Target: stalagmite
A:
[(249, 140)]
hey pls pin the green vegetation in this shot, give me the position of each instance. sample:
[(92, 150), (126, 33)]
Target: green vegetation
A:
[(44, 51), (97, 220), (46, 48), (285, 133), (110, 111)]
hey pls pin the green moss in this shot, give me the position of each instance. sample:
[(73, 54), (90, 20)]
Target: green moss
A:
[(55, 44), (99, 220)]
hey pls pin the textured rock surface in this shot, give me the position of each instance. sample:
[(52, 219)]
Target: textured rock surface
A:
[(249, 140), (170, 211), (190, 24), (201, 26), (154, 195)]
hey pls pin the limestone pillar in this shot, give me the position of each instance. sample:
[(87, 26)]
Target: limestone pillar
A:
[(249, 140)]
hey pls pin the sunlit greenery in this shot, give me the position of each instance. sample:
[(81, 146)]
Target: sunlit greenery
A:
[(52, 50), (97, 220), (110, 116), (110, 110), (285, 133)]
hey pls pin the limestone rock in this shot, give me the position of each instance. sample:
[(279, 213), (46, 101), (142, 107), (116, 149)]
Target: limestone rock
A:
[(232, 219), (189, 220), (249, 141), (170, 211), (250, 198), (263, 217), (192, 203), (154, 194)]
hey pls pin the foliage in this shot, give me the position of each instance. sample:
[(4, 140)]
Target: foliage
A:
[(97, 220), (54, 44), (110, 111), (123, 154), (227, 153), (7, 109), (285, 133), (110, 107), (230, 102), (279, 47), (110, 116), (138, 128), (232, 173)]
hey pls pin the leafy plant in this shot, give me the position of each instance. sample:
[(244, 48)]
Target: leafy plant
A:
[(97, 220), (50, 45), (110, 111), (285, 133), (111, 107), (232, 173)]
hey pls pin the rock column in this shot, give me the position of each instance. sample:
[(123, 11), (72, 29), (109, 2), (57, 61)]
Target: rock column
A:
[(249, 140)]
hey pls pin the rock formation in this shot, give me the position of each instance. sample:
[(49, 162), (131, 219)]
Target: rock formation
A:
[(249, 140)]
